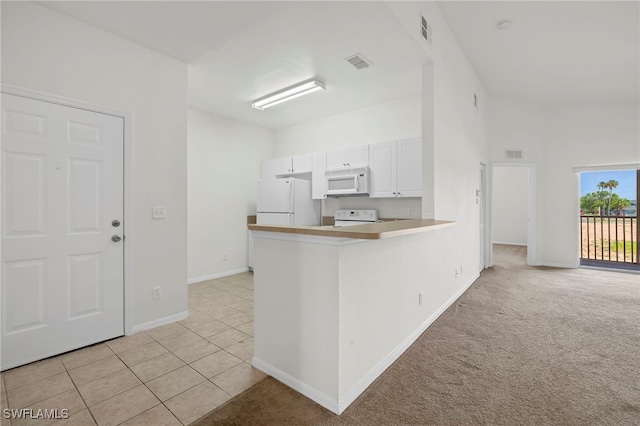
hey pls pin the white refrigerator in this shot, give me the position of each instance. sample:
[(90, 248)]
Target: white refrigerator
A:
[(286, 202)]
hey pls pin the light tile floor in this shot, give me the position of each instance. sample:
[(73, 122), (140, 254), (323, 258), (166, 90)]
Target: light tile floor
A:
[(170, 375)]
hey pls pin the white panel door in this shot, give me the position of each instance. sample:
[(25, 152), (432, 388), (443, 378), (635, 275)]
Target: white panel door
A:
[(62, 187)]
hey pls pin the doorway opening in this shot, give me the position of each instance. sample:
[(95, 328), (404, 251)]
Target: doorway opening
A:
[(513, 210), (609, 231)]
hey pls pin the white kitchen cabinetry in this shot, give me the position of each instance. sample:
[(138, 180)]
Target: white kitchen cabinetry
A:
[(382, 170), (302, 164), (396, 169), (286, 166), (318, 180), (348, 158)]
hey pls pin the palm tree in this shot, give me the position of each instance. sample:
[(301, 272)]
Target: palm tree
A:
[(601, 187), (611, 185)]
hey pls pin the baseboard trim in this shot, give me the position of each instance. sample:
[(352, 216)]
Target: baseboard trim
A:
[(338, 406), (559, 265), (313, 394), (160, 321), (366, 381), (507, 243), (214, 276)]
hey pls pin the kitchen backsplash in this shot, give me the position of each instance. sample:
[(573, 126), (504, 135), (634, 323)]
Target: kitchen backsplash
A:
[(400, 208)]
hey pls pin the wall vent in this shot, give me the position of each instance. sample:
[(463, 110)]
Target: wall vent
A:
[(359, 61), (514, 154), (426, 30)]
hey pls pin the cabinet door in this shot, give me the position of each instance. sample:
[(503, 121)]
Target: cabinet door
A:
[(409, 153), (302, 163), (382, 177), (358, 156), (318, 180), (348, 158), (283, 166), (337, 159)]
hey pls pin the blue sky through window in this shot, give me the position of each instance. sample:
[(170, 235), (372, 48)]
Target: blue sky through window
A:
[(626, 182)]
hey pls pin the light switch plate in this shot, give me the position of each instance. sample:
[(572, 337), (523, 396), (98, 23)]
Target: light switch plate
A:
[(159, 212)]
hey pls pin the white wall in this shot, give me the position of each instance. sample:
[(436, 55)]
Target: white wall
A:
[(558, 138), (224, 167), (519, 125), (50, 52), (455, 137), (509, 205), (398, 119)]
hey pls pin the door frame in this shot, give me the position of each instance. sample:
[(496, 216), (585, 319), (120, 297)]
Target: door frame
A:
[(128, 175), (485, 253), (531, 208)]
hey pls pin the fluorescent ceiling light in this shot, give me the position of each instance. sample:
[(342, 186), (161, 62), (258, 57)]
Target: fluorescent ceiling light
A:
[(288, 93)]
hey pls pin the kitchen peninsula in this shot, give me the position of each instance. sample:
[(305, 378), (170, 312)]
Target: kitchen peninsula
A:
[(334, 307)]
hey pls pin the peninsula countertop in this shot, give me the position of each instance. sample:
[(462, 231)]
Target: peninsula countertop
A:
[(373, 231)]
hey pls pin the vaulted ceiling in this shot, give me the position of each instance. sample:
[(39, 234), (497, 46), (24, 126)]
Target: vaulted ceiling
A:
[(238, 51)]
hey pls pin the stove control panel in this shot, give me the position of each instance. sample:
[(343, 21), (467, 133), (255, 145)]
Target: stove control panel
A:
[(359, 215)]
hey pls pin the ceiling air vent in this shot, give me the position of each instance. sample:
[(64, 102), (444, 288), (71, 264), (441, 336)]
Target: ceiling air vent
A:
[(359, 61), (427, 32), (514, 154)]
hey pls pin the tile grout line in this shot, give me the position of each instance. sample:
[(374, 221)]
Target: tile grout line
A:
[(162, 375), (248, 312), (78, 390)]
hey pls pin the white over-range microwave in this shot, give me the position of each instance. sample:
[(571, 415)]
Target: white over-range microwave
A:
[(348, 181)]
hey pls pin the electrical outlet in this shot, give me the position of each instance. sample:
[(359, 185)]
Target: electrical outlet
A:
[(420, 298), (159, 212), (157, 293)]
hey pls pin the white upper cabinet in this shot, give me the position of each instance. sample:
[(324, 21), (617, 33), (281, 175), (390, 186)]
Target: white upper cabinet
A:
[(282, 166), (348, 158), (382, 176), (318, 181), (396, 169), (302, 164), (409, 157), (286, 166)]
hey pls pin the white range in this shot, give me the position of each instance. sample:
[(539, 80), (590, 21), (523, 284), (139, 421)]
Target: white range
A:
[(345, 217)]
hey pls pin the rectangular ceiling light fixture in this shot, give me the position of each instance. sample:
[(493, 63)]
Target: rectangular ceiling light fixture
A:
[(288, 93)]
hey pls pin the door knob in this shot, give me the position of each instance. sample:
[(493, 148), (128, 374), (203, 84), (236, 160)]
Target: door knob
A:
[(115, 223), (116, 238)]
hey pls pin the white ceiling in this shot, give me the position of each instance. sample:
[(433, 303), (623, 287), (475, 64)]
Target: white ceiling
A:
[(554, 51), (240, 51)]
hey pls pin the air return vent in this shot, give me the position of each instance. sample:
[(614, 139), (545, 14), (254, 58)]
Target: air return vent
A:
[(359, 61), (513, 154), (427, 32)]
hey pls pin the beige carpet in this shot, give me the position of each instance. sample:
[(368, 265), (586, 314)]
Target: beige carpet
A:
[(523, 346)]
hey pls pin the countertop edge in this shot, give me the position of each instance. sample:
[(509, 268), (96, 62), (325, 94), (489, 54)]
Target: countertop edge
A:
[(361, 232)]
